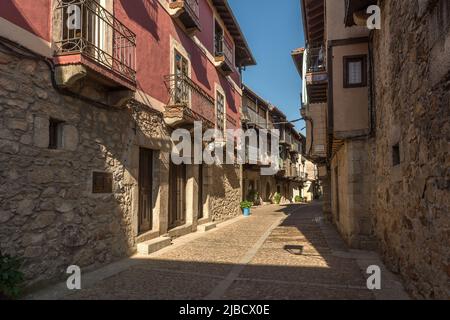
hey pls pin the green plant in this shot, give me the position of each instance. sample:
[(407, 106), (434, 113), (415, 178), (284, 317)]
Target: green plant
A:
[(298, 199), (11, 278), (277, 198), (246, 204), (253, 196)]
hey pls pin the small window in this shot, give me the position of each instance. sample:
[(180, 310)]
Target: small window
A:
[(396, 155), (102, 182), (55, 134), (220, 112), (355, 71)]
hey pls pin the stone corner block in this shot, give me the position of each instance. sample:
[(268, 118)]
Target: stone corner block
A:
[(149, 247), (206, 227), (68, 75), (70, 138)]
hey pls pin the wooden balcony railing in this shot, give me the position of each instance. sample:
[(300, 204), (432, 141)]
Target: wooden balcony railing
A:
[(87, 28), (255, 118), (190, 15)]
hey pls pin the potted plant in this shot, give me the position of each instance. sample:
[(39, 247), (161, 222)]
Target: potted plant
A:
[(298, 199), (277, 198), (246, 206), (11, 278)]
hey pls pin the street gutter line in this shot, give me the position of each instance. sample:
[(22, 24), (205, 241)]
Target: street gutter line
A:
[(224, 285)]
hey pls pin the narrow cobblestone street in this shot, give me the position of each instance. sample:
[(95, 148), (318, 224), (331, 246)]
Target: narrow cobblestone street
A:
[(246, 259)]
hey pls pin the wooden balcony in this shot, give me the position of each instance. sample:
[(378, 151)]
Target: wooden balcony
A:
[(188, 103), (295, 148), (223, 56), (317, 75), (286, 140), (252, 118), (186, 12)]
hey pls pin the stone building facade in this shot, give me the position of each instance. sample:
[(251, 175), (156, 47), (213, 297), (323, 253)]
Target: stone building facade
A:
[(49, 214), (86, 175), (258, 114), (385, 174), (412, 114)]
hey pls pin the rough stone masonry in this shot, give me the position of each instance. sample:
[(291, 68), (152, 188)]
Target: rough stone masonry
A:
[(49, 215), (412, 200)]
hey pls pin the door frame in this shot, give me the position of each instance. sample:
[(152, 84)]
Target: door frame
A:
[(148, 227), (177, 219)]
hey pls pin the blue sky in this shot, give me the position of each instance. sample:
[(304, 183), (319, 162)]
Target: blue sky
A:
[(273, 29)]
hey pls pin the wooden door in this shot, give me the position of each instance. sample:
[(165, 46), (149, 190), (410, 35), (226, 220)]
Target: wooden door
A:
[(145, 190), (177, 195)]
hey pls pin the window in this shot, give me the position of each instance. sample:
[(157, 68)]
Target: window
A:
[(102, 182), (220, 112), (396, 155), (218, 40), (355, 71), (181, 71), (91, 28), (55, 134)]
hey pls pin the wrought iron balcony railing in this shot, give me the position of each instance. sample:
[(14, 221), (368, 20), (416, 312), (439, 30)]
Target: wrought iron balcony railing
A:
[(316, 59), (190, 16), (185, 92), (193, 8), (223, 49), (89, 29)]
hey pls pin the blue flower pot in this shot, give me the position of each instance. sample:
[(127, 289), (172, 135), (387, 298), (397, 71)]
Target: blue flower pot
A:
[(246, 212)]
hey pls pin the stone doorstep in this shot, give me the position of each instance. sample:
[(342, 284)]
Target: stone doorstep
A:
[(149, 247), (207, 227)]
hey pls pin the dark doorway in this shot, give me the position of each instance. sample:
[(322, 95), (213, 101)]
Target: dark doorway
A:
[(177, 195), (201, 199), (145, 190)]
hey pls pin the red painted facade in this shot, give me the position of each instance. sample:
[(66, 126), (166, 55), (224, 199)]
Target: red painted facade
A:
[(31, 15), (154, 27)]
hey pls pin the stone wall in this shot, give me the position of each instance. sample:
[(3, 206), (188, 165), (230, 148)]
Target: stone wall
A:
[(412, 200), (48, 213), (224, 190), (352, 183)]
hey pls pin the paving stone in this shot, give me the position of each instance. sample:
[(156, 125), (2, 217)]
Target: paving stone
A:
[(248, 260)]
